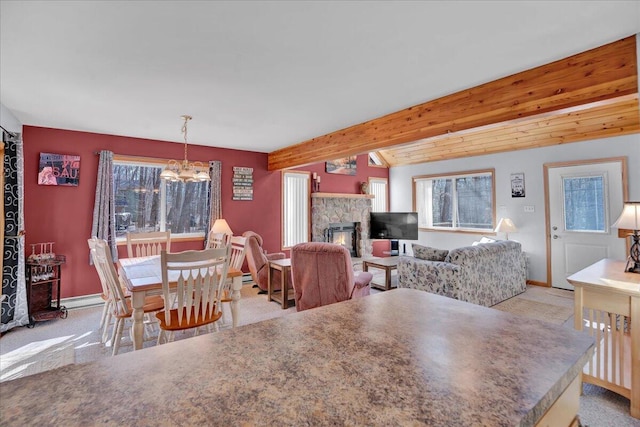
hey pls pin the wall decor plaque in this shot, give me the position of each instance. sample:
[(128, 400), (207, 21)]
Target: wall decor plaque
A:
[(242, 183)]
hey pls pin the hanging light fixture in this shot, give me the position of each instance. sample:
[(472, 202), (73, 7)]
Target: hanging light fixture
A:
[(185, 171)]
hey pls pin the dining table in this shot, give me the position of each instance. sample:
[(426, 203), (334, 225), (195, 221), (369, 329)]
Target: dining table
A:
[(142, 277)]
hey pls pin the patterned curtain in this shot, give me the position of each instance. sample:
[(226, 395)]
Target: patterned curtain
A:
[(15, 311), (104, 208), (215, 200)]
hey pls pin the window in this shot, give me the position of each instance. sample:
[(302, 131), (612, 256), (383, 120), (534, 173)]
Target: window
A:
[(144, 202), (378, 188), (585, 204), (295, 208), (461, 201), (375, 159)]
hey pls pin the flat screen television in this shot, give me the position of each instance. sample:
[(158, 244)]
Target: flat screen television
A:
[(393, 225)]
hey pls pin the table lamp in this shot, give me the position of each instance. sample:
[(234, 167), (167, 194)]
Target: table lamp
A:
[(221, 228), (505, 225), (630, 220)]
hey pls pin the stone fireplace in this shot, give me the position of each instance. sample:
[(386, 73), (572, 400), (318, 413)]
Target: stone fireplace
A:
[(329, 209)]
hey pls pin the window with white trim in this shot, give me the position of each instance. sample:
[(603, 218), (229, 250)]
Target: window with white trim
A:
[(456, 202), (376, 160), (145, 203), (295, 208), (378, 187)]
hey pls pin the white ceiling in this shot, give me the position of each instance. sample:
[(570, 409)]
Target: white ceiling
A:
[(262, 75)]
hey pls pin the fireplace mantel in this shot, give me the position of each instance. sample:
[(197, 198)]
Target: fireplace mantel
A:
[(343, 195)]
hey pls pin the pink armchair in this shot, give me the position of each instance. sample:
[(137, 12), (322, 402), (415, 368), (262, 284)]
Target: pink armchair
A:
[(322, 274), (258, 261)]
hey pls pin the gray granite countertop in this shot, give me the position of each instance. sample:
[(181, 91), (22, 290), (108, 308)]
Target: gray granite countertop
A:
[(402, 357)]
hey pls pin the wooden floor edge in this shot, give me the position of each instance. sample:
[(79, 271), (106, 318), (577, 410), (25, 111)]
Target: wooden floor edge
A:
[(536, 283)]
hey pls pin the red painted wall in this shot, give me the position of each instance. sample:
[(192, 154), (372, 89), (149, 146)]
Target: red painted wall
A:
[(64, 214)]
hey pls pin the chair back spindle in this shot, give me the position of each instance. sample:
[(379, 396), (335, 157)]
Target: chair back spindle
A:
[(199, 277), (148, 244)]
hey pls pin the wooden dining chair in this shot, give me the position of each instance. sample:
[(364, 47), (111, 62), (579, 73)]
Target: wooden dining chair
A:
[(236, 260), (119, 303), (217, 240), (105, 318), (197, 279), (147, 244)]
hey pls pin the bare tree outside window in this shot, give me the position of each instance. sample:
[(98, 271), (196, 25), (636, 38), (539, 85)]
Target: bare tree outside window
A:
[(145, 203), (462, 201)]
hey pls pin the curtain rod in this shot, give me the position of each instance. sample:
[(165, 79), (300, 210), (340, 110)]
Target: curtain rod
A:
[(141, 159), (13, 134)]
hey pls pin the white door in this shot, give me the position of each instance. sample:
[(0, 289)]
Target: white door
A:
[(584, 200)]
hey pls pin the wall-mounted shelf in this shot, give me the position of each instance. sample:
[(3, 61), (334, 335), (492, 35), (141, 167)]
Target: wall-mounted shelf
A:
[(343, 195)]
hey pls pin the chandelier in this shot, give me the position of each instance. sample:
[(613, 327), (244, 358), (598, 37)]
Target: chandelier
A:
[(185, 171)]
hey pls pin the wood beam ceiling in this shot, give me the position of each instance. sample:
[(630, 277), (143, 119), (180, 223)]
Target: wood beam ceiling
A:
[(568, 88), (597, 121)]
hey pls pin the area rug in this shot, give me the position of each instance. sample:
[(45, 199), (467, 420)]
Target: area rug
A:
[(536, 310)]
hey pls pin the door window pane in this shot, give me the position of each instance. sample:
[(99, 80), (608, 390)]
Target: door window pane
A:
[(584, 203)]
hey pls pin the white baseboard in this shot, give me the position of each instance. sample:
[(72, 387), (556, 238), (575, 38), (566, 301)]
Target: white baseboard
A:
[(82, 302)]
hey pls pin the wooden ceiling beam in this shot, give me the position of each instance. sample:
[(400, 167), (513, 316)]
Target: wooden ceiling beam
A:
[(612, 120), (604, 108), (600, 74), (538, 125)]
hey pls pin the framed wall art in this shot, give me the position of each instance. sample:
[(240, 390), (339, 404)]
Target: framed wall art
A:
[(343, 166), (59, 169), (517, 185)]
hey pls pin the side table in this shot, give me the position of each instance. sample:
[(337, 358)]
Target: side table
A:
[(607, 304), (285, 294), (388, 264)]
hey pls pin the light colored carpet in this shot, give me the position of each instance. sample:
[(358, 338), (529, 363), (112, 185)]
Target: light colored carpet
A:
[(536, 310), (36, 357), (560, 293), (78, 333)]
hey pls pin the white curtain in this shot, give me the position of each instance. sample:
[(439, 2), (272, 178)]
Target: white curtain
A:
[(295, 209), (15, 311), (104, 209)]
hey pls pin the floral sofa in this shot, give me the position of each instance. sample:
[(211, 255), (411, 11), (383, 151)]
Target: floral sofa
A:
[(483, 274)]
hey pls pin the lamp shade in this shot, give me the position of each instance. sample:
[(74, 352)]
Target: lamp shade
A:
[(505, 225), (630, 217), (221, 227)]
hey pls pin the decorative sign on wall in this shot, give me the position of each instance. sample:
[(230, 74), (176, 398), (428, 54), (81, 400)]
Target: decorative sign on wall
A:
[(59, 169), (242, 183), (517, 185)]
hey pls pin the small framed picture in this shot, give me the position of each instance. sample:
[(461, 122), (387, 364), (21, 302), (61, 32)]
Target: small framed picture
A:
[(344, 166), (59, 169), (517, 185)]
